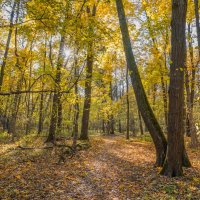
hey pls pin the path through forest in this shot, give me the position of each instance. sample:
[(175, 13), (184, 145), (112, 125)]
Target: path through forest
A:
[(111, 169)]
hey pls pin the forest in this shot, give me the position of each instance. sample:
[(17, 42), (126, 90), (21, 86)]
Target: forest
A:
[(99, 99)]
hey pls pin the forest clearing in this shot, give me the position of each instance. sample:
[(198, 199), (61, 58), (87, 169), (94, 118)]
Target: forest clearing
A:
[(99, 99), (112, 168)]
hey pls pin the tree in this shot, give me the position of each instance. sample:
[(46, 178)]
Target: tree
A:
[(57, 95), (89, 70), (12, 15), (141, 98), (143, 104), (174, 158)]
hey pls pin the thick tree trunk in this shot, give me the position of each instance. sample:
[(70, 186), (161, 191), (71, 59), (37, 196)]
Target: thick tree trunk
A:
[(53, 120), (174, 158), (143, 104), (88, 91), (88, 82)]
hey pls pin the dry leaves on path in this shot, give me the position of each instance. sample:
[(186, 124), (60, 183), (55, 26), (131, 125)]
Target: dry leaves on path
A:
[(111, 169)]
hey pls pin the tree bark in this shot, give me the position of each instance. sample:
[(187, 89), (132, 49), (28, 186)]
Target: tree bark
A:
[(88, 82), (59, 123), (88, 91), (40, 122), (28, 116), (119, 126), (174, 158), (76, 106)]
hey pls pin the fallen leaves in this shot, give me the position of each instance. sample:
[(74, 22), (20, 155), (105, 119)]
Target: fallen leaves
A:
[(111, 169)]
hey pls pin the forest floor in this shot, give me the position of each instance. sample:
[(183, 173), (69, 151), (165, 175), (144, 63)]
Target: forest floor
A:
[(112, 169)]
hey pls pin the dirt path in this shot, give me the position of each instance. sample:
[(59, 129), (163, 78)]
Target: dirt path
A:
[(112, 169)]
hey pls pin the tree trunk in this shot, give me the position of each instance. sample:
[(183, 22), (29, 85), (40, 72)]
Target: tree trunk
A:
[(41, 107), (28, 116), (143, 104), (88, 82), (40, 122), (7, 43), (76, 106), (120, 126), (111, 120), (88, 91), (57, 95), (111, 128), (174, 158), (59, 123), (103, 126)]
